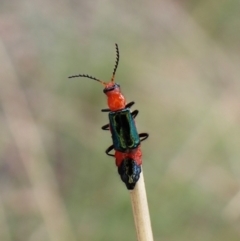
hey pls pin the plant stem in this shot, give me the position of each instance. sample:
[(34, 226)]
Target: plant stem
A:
[(141, 212)]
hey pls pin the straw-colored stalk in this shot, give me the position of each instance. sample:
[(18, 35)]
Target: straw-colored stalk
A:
[(141, 212)]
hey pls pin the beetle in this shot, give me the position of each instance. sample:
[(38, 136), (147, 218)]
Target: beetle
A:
[(125, 137)]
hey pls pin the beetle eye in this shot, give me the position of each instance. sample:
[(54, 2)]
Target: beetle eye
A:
[(113, 87)]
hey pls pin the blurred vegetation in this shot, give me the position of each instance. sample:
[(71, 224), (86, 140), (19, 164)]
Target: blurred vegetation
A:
[(179, 61)]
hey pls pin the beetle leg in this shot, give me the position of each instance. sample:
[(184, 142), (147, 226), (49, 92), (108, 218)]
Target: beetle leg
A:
[(130, 104), (144, 136), (110, 148), (105, 127), (134, 113), (105, 110)]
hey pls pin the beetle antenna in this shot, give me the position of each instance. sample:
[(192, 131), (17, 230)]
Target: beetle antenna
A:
[(116, 63), (87, 76)]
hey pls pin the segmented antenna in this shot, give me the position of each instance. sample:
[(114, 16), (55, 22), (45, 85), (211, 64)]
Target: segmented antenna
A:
[(116, 62), (87, 76)]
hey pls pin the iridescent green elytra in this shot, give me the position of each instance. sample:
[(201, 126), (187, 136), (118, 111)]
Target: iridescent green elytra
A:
[(124, 131)]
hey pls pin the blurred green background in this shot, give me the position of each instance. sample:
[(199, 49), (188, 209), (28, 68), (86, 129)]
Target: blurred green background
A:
[(179, 61)]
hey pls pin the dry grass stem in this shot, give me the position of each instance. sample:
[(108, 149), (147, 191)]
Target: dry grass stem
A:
[(141, 212)]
